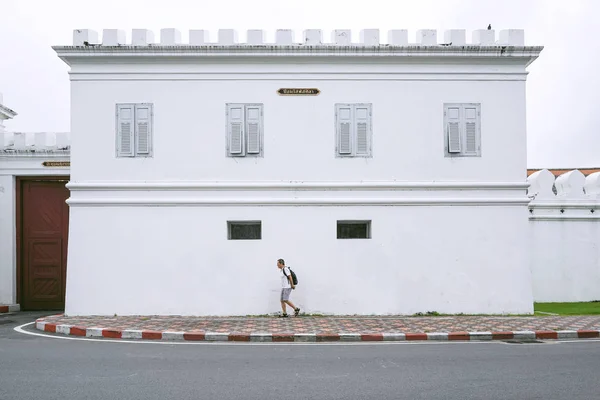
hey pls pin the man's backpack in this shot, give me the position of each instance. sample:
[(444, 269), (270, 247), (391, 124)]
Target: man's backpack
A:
[(294, 278)]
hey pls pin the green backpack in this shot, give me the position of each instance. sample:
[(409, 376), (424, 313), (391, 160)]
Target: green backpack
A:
[(294, 278)]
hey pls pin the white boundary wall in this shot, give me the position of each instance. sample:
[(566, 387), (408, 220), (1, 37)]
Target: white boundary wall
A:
[(565, 236)]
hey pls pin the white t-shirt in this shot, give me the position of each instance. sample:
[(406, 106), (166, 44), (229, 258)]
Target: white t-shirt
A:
[(285, 283)]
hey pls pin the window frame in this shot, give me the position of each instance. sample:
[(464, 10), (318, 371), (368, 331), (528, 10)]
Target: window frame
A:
[(353, 136), (463, 151), (245, 152), (243, 222), (368, 222), (134, 153)]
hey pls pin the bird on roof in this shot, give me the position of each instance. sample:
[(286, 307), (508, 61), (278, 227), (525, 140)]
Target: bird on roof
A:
[(489, 27)]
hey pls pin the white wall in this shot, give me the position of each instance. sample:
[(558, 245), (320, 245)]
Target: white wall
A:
[(565, 246), (299, 132), (179, 261), (7, 240)]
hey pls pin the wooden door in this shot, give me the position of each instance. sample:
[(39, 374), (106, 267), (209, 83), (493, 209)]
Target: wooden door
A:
[(43, 243)]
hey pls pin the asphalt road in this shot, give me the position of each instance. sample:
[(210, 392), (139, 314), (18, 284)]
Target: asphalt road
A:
[(33, 367)]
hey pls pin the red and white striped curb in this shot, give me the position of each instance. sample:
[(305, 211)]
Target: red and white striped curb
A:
[(9, 308), (311, 337)]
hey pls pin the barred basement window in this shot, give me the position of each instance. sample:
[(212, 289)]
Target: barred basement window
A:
[(354, 229), (244, 230)]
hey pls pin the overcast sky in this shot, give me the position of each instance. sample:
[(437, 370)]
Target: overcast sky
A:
[(563, 89)]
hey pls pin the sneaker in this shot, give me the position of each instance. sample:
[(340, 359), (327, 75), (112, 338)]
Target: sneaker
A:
[(296, 312), (283, 316)]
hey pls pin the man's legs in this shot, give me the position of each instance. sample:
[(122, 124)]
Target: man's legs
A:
[(285, 299)]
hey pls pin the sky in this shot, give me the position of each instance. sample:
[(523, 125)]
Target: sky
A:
[(563, 85)]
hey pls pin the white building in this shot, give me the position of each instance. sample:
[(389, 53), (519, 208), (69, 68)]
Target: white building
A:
[(391, 177)]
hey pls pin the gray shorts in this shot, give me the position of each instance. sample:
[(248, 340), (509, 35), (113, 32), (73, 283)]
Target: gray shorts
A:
[(285, 294)]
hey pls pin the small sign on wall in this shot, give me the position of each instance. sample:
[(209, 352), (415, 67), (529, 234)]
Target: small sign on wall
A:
[(56, 163), (298, 92)]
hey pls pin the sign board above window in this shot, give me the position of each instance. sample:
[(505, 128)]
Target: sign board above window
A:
[(56, 163), (298, 92)]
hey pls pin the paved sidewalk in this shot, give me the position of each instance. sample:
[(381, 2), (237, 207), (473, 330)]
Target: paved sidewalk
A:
[(307, 328)]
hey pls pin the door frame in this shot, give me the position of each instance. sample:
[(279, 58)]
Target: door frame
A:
[(19, 219)]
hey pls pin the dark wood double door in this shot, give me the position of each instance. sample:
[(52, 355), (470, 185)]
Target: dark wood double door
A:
[(42, 233)]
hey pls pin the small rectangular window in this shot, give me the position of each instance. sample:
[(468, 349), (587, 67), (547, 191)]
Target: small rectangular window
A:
[(244, 130), (244, 230), (462, 130), (354, 229), (353, 130), (134, 129)]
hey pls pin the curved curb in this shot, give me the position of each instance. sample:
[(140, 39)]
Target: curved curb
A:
[(311, 337)]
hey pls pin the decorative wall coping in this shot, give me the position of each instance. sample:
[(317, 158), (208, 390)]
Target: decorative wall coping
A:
[(34, 143), (509, 44), (571, 196)]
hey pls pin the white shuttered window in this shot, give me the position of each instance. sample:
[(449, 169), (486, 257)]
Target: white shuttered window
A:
[(244, 130), (353, 130), (134, 130), (462, 130)]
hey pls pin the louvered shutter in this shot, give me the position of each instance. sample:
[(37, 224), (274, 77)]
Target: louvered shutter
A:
[(235, 126), (471, 128), (143, 133), (344, 130), (125, 128), (253, 128), (362, 121), (453, 129)]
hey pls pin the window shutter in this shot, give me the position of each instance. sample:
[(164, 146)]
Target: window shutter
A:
[(143, 124), (236, 129), (344, 130), (125, 136), (453, 129), (471, 117), (253, 127), (362, 120)]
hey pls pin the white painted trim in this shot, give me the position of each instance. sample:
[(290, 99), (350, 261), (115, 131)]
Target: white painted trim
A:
[(565, 205), (277, 185), (563, 218), (176, 76), (236, 202), (25, 155)]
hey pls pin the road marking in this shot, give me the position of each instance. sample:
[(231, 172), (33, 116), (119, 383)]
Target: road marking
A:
[(221, 343)]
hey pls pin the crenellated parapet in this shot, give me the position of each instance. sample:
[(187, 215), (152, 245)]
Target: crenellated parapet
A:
[(21, 143), (308, 37), (569, 196)]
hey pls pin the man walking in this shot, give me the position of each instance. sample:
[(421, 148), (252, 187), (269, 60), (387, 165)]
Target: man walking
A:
[(287, 284)]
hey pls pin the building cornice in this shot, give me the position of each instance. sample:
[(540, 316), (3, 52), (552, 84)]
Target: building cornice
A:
[(292, 185), (524, 54), (7, 112), (325, 201)]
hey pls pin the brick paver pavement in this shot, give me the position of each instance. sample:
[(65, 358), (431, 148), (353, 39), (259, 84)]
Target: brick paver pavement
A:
[(322, 325)]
